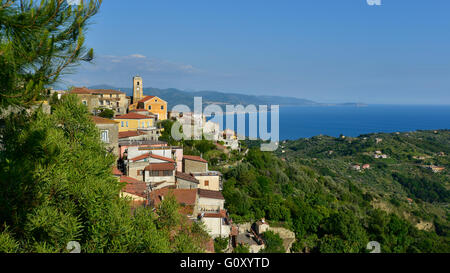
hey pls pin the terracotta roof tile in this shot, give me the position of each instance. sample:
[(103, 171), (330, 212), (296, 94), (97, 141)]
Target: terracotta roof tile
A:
[(116, 171), (146, 98), (134, 186), (100, 120), (160, 167), (186, 176), (153, 156), (194, 158), (128, 134), (221, 214), (84, 90), (183, 196), (132, 116), (210, 194)]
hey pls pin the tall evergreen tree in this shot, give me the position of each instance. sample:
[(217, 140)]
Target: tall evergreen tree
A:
[(39, 42), (56, 184)]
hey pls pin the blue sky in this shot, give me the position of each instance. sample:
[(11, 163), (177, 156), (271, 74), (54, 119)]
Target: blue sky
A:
[(324, 50)]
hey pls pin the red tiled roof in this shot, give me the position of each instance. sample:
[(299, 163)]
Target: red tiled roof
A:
[(116, 171), (146, 98), (210, 194), (221, 214), (132, 116), (162, 182), (100, 120), (80, 90), (195, 158), (128, 134), (84, 90), (160, 167), (152, 156), (186, 176), (134, 186), (183, 196)]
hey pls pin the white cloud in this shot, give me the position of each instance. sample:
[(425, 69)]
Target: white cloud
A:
[(118, 70), (138, 56), (140, 64)]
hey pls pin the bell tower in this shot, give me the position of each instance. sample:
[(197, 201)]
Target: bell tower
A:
[(138, 89)]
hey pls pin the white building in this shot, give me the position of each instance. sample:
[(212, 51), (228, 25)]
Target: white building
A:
[(211, 212)]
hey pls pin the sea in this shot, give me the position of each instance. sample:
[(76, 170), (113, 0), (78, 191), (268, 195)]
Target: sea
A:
[(306, 121)]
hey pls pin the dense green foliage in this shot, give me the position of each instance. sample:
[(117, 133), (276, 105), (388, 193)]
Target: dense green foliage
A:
[(308, 186), (220, 244), (106, 113), (39, 40), (241, 249), (273, 243), (57, 187), (423, 188), (166, 132)]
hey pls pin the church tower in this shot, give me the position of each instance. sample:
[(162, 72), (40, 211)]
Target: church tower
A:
[(138, 89)]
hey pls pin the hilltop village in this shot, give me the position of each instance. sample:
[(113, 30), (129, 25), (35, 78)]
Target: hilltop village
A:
[(151, 169)]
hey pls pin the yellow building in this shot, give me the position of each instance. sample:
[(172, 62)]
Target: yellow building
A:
[(152, 104), (134, 122)]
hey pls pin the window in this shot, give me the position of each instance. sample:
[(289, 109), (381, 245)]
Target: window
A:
[(121, 124), (137, 83), (149, 107), (127, 123), (85, 102), (167, 173), (162, 107), (154, 173), (140, 172), (206, 183), (104, 136), (148, 123)]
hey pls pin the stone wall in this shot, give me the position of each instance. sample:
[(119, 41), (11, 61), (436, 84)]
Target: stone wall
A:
[(113, 135), (192, 166)]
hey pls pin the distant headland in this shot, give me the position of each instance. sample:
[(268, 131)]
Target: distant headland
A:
[(175, 96)]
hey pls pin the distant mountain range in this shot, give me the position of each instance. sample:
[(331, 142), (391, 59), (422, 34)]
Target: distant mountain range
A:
[(175, 96)]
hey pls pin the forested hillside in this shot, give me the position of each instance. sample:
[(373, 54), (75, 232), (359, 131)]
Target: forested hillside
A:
[(314, 187)]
